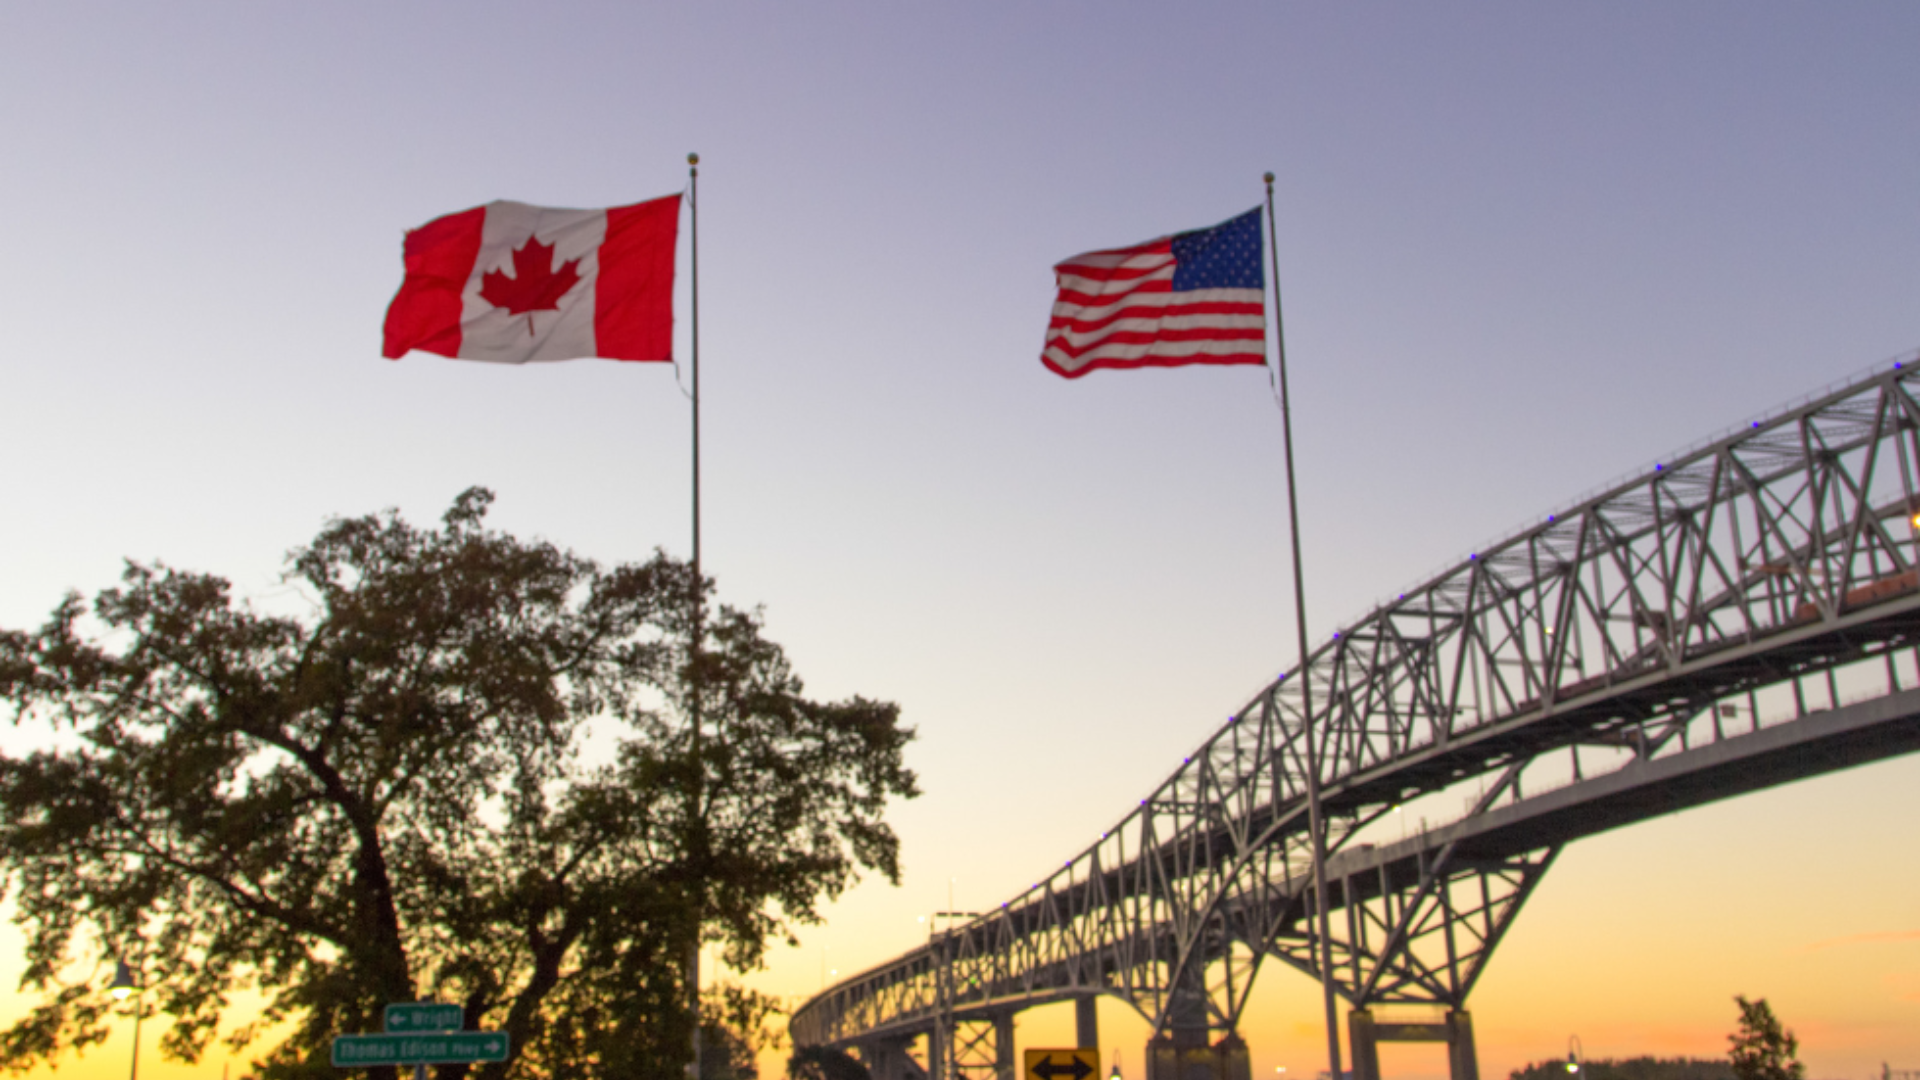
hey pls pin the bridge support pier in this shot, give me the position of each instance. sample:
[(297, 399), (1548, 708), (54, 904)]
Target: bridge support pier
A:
[(888, 1060), (1182, 1050), (1463, 1062), (1456, 1030), (1086, 1022), (1225, 1060), (1003, 1047)]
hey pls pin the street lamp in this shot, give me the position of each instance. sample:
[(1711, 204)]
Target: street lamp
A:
[(1576, 1056), (125, 985), (1116, 1065)]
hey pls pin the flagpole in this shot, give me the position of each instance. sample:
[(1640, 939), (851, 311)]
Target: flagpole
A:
[(693, 205), (697, 633), (1314, 823)]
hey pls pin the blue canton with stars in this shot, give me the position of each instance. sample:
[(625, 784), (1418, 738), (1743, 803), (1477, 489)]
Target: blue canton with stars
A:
[(1226, 256)]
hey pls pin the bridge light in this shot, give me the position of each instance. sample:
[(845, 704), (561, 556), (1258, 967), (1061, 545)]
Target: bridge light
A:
[(1915, 520)]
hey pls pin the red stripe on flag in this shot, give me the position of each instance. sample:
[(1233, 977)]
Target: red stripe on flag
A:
[(633, 298), (1224, 359), (425, 313)]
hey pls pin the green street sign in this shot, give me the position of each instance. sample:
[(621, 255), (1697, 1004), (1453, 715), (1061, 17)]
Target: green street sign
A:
[(423, 1016), (360, 1051)]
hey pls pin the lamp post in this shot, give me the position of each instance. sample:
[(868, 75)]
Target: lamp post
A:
[(124, 984), (1576, 1058)]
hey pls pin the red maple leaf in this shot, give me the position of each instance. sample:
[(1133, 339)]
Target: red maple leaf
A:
[(534, 284)]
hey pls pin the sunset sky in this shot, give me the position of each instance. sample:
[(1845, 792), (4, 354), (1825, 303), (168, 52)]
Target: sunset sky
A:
[(1524, 249)]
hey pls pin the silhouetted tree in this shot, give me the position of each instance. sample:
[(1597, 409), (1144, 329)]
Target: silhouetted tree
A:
[(824, 1063), (463, 773), (1762, 1049), (735, 1026)]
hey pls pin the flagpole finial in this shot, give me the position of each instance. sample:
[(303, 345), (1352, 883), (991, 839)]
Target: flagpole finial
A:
[(1269, 179)]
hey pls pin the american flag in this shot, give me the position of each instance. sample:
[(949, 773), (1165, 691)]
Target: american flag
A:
[(1191, 298)]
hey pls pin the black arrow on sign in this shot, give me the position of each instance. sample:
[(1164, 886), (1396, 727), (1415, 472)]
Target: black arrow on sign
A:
[(1047, 1070)]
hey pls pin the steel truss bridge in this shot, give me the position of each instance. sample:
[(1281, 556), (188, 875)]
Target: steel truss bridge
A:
[(1742, 614)]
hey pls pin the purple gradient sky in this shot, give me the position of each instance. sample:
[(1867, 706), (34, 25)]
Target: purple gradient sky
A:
[(1524, 248)]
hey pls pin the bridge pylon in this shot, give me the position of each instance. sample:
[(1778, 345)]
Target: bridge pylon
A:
[(1196, 1039)]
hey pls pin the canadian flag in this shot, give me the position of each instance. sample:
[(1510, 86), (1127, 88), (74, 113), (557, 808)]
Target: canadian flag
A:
[(515, 284)]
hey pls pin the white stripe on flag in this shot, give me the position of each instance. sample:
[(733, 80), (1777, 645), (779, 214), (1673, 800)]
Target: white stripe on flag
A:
[(1114, 260), (1168, 322)]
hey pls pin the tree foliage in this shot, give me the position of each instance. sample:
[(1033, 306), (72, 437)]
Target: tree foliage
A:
[(824, 1063), (1761, 1048), (736, 1024), (465, 773)]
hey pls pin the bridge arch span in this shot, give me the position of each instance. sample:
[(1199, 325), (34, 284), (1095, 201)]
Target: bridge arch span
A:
[(1742, 613)]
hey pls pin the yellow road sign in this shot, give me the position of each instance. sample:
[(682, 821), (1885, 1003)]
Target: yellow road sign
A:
[(1081, 1064)]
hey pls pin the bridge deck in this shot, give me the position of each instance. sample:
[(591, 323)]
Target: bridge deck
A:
[(1820, 743)]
